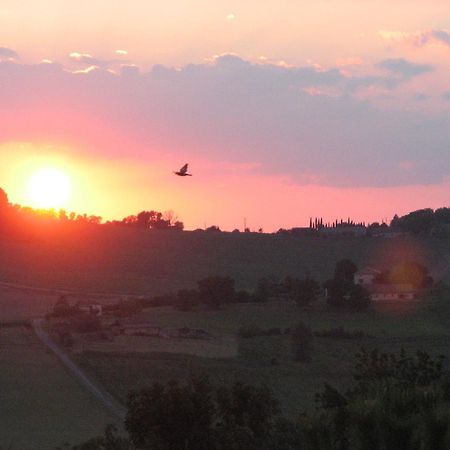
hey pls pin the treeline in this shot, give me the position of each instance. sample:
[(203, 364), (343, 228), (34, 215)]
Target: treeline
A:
[(423, 221), (397, 401), (17, 219), (217, 291)]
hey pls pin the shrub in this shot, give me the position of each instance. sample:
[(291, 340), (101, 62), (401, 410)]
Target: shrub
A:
[(214, 291)]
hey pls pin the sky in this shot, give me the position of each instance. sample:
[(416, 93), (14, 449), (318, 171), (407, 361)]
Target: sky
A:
[(283, 109)]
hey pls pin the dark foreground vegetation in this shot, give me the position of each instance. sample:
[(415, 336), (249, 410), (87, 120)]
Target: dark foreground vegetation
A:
[(396, 402)]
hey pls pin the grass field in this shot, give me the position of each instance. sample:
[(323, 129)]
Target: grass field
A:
[(42, 406), (38, 396), (122, 368), (133, 261)]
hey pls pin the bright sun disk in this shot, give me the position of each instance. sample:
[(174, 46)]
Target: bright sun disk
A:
[(49, 188)]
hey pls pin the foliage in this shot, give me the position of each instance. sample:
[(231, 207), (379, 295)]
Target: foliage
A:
[(111, 440), (359, 299), (399, 370), (153, 220), (198, 417), (303, 291), (267, 288), (421, 221), (398, 402), (345, 270), (3, 199), (342, 292), (215, 291), (301, 342)]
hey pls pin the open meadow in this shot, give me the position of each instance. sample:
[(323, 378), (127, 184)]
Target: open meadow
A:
[(39, 393), (119, 260), (132, 362)]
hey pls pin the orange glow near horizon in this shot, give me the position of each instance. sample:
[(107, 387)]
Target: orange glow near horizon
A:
[(114, 188), (49, 188)]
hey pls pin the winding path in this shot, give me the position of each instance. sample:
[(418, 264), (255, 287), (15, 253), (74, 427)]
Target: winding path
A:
[(110, 403)]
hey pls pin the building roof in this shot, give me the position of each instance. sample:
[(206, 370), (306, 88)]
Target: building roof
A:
[(367, 271)]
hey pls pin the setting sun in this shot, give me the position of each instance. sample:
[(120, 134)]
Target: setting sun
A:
[(49, 188)]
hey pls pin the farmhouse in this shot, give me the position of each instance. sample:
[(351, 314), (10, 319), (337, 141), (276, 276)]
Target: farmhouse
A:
[(391, 292), (366, 276), (344, 230)]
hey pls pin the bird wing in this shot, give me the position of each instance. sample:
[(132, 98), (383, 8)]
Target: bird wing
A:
[(184, 169)]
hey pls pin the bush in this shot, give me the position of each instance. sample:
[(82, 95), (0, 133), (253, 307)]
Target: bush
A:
[(214, 291)]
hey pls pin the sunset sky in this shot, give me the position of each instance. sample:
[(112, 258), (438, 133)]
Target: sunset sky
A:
[(284, 109)]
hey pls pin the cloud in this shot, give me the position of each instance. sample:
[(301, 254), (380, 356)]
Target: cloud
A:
[(446, 95), (230, 110), (8, 53), (420, 97), (404, 68), (89, 61), (417, 38)]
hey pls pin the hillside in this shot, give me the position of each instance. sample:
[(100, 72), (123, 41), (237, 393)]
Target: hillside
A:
[(120, 260)]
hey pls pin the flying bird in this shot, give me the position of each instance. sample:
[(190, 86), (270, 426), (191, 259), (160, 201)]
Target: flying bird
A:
[(183, 172)]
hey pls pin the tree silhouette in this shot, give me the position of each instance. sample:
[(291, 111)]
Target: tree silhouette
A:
[(214, 291)]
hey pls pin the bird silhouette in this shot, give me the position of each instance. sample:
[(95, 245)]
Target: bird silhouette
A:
[(183, 172)]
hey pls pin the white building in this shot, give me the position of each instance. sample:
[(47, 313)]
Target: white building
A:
[(366, 276)]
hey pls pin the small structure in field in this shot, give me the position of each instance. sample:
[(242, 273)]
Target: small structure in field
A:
[(94, 309), (135, 328)]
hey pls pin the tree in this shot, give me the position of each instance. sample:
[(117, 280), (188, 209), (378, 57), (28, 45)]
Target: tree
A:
[(111, 440), (337, 292), (358, 299), (246, 406), (197, 416), (172, 417), (345, 270), (214, 291), (304, 291), (4, 203), (399, 402)]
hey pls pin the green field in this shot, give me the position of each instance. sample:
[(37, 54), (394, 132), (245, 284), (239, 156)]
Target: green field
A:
[(133, 261), (39, 393), (294, 383)]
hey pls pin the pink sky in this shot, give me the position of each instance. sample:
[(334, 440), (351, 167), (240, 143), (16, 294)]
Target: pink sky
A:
[(283, 112)]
